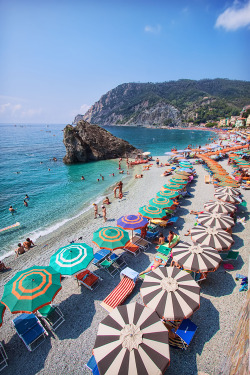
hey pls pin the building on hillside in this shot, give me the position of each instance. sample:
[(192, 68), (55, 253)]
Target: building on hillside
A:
[(222, 123), (240, 122), (248, 121)]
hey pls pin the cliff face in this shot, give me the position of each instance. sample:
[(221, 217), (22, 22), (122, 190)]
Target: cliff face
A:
[(173, 102), (86, 142)]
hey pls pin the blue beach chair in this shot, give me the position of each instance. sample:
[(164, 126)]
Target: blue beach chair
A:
[(186, 332), (92, 366)]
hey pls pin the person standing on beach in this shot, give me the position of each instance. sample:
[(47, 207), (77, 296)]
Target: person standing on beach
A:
[(95, 210), (104, 213), (115, 189), (157, 162)]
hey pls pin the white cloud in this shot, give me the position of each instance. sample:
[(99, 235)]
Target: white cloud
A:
[(4, 107), (152, 29), (235, 17), (31, 112)]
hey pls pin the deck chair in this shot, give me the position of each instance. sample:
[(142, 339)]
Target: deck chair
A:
[(164, 250), (119, 294), (30, 330), (132, 248), (109, 267), (207, 179), (164, 257), (172, 220), (92, 366), (141, 242), (186, 332), (118, 261), (88, 279), (3, 357), (231, 255), (52, 316)]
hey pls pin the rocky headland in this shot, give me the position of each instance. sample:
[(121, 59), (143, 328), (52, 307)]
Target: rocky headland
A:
[(86, 142)]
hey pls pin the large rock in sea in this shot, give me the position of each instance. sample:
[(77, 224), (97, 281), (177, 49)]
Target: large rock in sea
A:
[(86, 142)]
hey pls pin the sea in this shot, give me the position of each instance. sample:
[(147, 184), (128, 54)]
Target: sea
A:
[(55, 190)]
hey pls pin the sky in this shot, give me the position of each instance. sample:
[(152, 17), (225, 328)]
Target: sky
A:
[(58, 57)]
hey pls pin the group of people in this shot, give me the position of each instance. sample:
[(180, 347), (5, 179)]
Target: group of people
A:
[(12, 210), (22, 248), (118, 187), (104, 211)]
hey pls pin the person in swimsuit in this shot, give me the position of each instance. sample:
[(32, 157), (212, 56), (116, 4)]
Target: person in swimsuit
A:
[(95, 210), (20, 250), (157, 262), (27, 244)]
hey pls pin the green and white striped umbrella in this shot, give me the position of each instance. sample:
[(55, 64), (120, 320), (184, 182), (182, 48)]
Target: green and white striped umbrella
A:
[(71, 259)]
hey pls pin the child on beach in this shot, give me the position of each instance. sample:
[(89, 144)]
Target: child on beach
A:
[(104, 213)]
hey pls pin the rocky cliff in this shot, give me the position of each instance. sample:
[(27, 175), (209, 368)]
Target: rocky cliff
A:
[(86, 142), (173, 102)]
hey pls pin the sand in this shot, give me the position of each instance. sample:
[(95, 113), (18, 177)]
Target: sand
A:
[(67, 351)]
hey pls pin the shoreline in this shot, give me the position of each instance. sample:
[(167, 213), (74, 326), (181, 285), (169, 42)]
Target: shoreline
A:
[(81, 307)]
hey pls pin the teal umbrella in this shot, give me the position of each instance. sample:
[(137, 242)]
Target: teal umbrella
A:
[(71, 259), (180, 182), (152, 212), (161, 202), (173, 186), (167, 194), (31, 289), (2, 310), (110, 238)]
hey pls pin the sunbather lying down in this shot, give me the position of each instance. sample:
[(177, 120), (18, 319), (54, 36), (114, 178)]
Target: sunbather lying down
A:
[(157, 262)]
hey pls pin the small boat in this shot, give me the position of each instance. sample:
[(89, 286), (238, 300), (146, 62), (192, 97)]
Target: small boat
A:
[(10, 227)]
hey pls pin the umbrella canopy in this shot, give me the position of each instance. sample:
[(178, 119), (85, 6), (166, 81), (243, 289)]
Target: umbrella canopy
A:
[(132, 222), (219, 207), (110, 238), (168, 194), (71, 259), (161, 202), (185, 169), (2, 310), (180, 177), (146, 153), (227, 190), (227, 198), (231, 184), (173, 186), (31, 289), (217, 238), (196, 257), (215, 220), (152, 212), (180, 182), (171, 292), (132, 340)]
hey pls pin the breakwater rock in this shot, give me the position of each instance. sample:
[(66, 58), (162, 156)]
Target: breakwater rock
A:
[(86, 142)]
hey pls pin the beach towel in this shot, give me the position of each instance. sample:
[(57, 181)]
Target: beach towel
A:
[(228, 266)]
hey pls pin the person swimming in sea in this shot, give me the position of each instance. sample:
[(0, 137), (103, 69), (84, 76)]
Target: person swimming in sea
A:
[(12, 210), (27, 197), (25, 203)]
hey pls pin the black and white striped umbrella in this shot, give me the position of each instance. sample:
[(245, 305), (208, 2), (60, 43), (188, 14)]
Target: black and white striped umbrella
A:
[(219, 207), (215, 220), (132, 340), (227, 198), (196, 257), (227, 190), (171, 292), (219, 239)]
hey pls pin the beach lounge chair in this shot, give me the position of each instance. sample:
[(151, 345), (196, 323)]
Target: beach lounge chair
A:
[(164, 257), (92, 366), (186, 332), (132, 248), (109, 267), (173, 220), (88, 279), (141, 242), (164, 250), (3, 357), (119, 294), (30, 330), (150, 236), (52, 316), (231, 255), (118, 261)]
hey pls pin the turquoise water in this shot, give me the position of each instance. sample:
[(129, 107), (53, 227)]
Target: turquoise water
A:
[(58, 194)]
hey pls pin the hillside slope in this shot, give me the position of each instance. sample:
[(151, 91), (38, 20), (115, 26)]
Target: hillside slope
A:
[(166, 103)]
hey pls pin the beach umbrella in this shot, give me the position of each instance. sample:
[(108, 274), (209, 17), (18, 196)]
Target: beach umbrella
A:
[(168, 194), (196, 257), (227, 190), (215, 220), (185, 169), (146, 153), (72, 258), (2, 310), (180, 177), (152, 212), (171, 292), (217, 238), (132, 222), (161, 202), (227, 198), (219, 207), (226, 183), (182, 173), (173, 186), (31, 289), (132, 340), (110, 238), (178, 182)]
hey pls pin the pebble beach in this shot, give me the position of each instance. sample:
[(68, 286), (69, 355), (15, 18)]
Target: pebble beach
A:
[(69, 349)]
